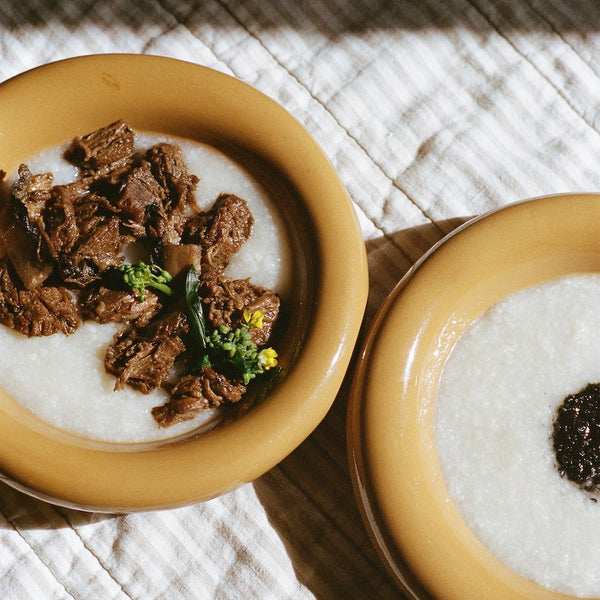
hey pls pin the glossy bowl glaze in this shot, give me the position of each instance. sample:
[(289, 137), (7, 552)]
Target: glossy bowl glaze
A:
[(410, 516), (50, 105)]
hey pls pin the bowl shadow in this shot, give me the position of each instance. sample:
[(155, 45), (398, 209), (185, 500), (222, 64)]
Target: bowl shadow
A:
[(309, 499)]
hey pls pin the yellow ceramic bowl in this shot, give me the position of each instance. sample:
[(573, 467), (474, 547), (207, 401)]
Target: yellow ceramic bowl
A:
[(49, 106), (405, 504)]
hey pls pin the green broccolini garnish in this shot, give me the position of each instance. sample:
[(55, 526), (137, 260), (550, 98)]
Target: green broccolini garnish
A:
[(237, 348), (223, 347), (141, 275)]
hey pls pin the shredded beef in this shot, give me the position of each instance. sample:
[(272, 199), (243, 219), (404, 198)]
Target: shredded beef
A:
[(108, 179), (102, 147), (171, 171), (268, 303), (94, 253), (142, 196), (21, 225), (29, 195), (42, 311), (225, 299), (59, 226), (106, 305), (92, 210), (222, 231), (195, 393), (143, 357)]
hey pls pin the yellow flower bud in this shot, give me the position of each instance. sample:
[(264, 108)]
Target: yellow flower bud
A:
[(254, 319), (267, 358)]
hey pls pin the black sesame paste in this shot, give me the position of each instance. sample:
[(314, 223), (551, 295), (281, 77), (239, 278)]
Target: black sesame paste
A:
[(576, 439)]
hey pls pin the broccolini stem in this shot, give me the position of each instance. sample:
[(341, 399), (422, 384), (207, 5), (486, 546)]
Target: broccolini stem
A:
[(140, 276)]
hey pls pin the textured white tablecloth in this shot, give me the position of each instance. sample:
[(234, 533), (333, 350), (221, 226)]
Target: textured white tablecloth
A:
[(432, 112)]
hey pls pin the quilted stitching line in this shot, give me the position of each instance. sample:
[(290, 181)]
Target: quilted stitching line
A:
[(92, 553), (524, 56)]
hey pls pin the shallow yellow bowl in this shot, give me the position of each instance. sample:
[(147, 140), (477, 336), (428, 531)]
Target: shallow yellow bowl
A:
[(400, 489), (52, 104)]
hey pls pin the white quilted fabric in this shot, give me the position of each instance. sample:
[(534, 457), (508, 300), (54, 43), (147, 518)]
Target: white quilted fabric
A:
[(431, 112)]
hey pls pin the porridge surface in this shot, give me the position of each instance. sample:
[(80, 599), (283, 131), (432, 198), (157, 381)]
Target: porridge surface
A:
[(496, 403), (62, 379)]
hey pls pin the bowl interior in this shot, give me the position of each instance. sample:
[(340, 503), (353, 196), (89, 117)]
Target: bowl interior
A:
[(50, 105), (404, 500)]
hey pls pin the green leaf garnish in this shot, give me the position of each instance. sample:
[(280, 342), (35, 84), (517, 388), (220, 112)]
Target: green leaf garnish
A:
[(196, 316)]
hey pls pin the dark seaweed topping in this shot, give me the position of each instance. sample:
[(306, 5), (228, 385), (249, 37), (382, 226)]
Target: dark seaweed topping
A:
[(576, 438)]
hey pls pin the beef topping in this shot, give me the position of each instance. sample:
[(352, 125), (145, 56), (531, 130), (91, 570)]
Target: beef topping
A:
[(171, 171), (20, 226), (106, 305), (143, 357), (64, 261), (59, 226), (93, 254), (102, 147), (226, 299), (195, 393), (42, 311), (30, 193), (222, 231), (142, 196), (22, 250)]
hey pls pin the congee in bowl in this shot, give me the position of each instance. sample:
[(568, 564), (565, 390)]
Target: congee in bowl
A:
[(473, 452), (98, 238), (498, 430), (175, 318)]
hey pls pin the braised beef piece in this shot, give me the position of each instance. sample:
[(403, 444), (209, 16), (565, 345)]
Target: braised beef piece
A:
[(156, 195), (221, 231), (225, 299), (93, 210), (108, 179), (76, 233), (141, 198), (29, 195), (102, 147), (195, 393), (94, 253), (143, 357), (106, 305), (20, 224), (44, 310), (59, 229), (63, 225), (83, 234), (172, 173), (268, 302)]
